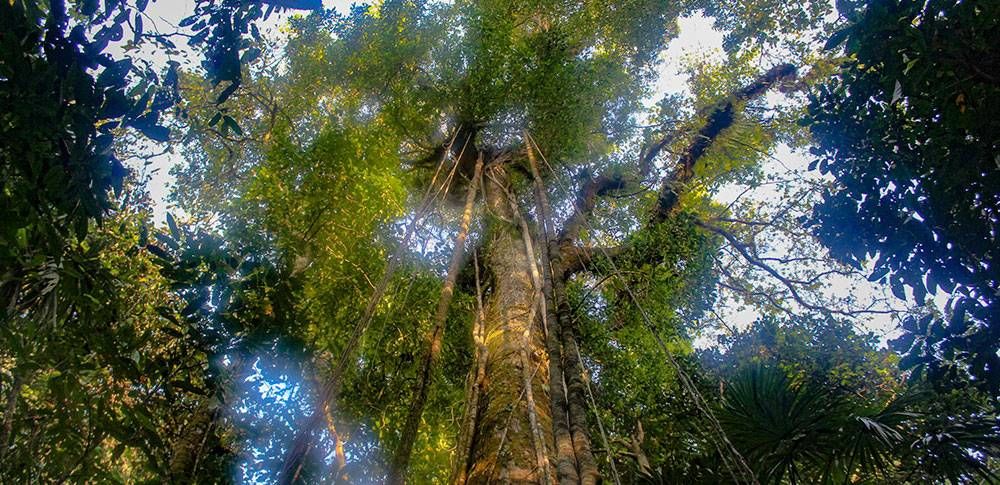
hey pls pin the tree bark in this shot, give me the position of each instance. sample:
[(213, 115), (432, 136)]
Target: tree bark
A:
[(504, 445), (574, 404), (10, 408), (473, 391), (719, 119), (576, 401), (541, 445), (186, 450)]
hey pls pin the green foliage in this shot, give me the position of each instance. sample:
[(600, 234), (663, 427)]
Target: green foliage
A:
[(318, 193), (221, 26), (802, 431), (807, 401), (909, 131), (769, 24), (827, 351), (91, 372), (378, 391), (101, 373), (196, 352), (563, 71), (64, 102), (668, 269), (241, 305)]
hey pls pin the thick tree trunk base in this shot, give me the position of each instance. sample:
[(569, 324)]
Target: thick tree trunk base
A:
[(505, 442)]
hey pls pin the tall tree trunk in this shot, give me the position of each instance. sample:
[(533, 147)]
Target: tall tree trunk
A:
[(576, 401), (188, 447), (576, 463), (8, 415), (474, 389), (505, 443)]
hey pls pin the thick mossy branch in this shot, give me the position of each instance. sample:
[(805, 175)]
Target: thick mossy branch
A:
[(720, 118), (587, 199)]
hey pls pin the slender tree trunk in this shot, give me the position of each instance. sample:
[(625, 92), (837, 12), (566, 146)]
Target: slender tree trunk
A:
[(186, 450), (9, 410), (401, 460), (477, 377), (565, 457), (576, 401), (504, 445), (576, 463)]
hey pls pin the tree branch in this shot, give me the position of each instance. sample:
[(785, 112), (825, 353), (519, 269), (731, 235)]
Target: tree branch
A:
[(580, 258), (745, 251), (585, 202), (646, 160), (721, 118)]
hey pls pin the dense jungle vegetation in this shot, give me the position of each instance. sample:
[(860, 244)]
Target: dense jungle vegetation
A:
[(489, 241)]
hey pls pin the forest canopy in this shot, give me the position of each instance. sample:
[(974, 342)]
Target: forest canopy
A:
[(499, 241)]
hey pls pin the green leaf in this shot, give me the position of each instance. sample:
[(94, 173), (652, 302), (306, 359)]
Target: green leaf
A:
[(110, 5), (897, 290), (250, 55), (837, 38), (138, 28), (89, 7), (878, 273), (159, 252), (903, 343), (226, 93), (156, 133), (115, 75), (909, 360), (229, 124), (172, 224)]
